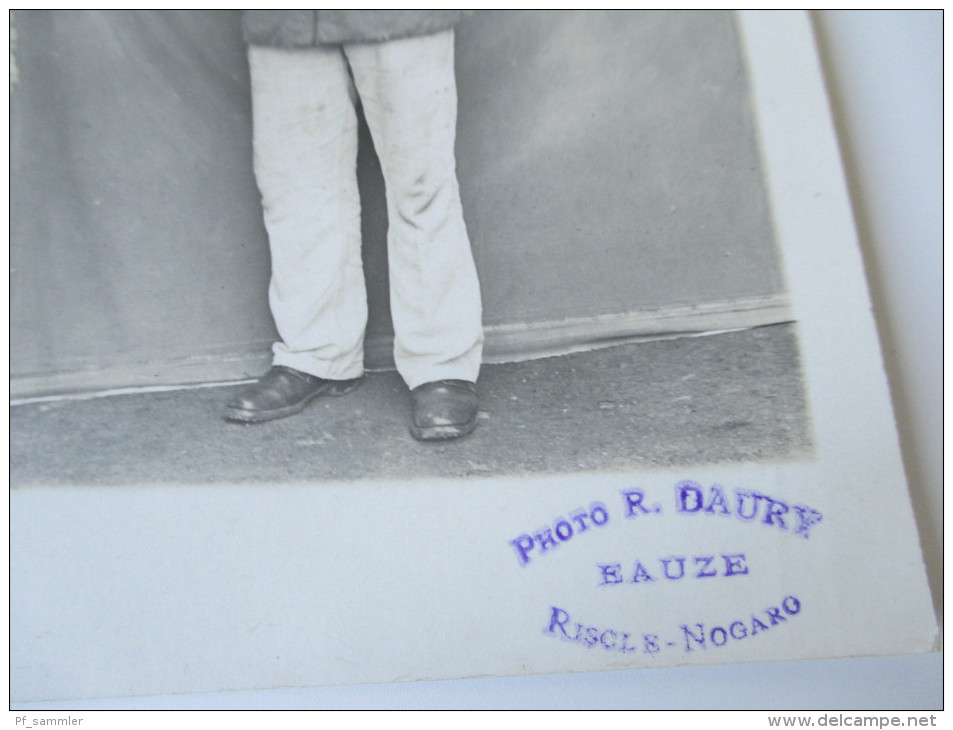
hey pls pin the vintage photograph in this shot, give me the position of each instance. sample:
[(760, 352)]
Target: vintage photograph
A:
[(627, 306), (357, 346)]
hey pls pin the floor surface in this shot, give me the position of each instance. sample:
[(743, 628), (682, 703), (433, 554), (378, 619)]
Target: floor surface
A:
[(735, 396)]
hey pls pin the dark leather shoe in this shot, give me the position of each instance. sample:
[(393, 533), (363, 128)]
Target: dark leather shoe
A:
[(444, 409), (283, 391)]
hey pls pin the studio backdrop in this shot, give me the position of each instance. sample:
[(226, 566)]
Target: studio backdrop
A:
[(608, 164)]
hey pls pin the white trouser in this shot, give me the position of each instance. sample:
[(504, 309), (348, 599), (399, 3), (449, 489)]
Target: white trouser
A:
[(305, 154)]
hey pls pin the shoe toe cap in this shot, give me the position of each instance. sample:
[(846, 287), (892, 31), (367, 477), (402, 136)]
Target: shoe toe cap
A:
[(444, 409)]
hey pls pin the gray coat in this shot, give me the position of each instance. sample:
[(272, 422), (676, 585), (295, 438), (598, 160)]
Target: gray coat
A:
[(303, 28)]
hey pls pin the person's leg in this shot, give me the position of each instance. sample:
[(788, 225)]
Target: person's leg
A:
[(305, 156), (409, 95)]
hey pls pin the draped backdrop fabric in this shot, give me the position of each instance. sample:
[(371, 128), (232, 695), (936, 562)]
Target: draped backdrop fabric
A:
[(608, 165)]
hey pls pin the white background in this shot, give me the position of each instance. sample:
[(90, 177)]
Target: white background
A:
[(884, 74)]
